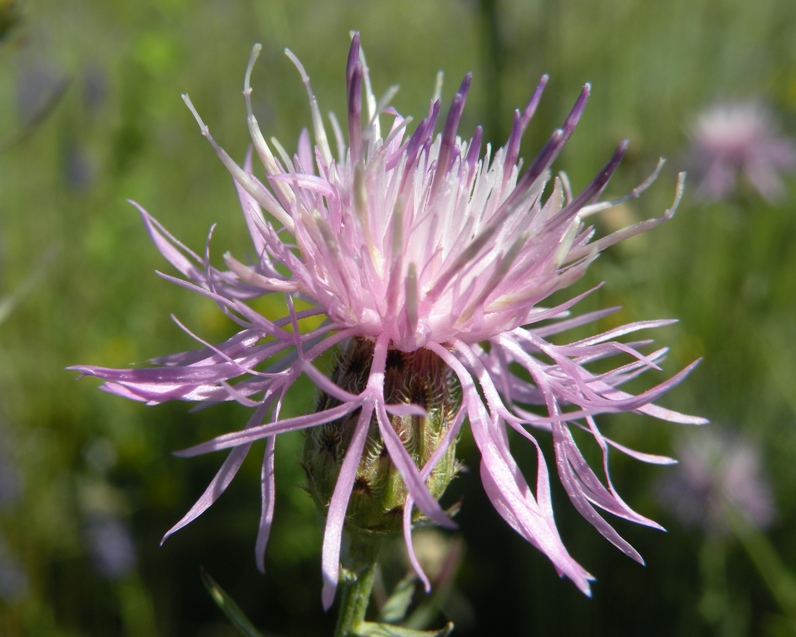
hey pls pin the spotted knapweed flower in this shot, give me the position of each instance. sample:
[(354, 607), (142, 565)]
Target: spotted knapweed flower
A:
[(428, 261), (740, 140)]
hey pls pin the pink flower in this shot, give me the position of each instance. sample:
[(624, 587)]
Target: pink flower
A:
[(740, 139), (414, 242)]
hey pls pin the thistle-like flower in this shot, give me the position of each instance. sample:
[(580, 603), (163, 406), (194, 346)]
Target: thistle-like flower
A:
[(740, 140), (428, 261)]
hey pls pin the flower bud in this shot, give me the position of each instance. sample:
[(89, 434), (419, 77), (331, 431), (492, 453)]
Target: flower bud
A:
[(379, 493)]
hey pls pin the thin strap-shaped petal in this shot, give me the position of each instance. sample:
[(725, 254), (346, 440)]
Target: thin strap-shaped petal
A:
[(505, 485), (268, 497), (409, 471), (442, 448), (216, 487), (335, 515), (244, 436), (221, 480)]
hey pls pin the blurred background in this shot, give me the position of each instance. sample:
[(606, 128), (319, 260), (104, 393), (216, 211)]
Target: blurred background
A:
[(91, 115)]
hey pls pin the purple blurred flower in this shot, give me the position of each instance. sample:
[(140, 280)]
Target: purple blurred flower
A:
[(109, 544), (414, 242), (14, 581), (719, 474), (740, 138)]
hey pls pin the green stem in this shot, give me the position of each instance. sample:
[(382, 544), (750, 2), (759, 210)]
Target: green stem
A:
[(780, 581), (357, 584)]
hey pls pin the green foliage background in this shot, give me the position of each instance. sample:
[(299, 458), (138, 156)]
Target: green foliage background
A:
[(90, 115)]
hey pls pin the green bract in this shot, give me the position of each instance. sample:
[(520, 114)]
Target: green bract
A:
[(379, 494)]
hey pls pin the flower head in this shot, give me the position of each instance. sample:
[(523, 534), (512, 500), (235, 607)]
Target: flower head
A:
[(740, 139), (425, 246)]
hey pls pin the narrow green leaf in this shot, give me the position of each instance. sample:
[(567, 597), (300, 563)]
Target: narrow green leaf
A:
[(372, 629), (230, 608), (396, 607)]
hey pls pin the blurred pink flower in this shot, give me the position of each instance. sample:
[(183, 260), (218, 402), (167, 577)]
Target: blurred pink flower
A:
[(740, 139), (719, 474), (414, 242)]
